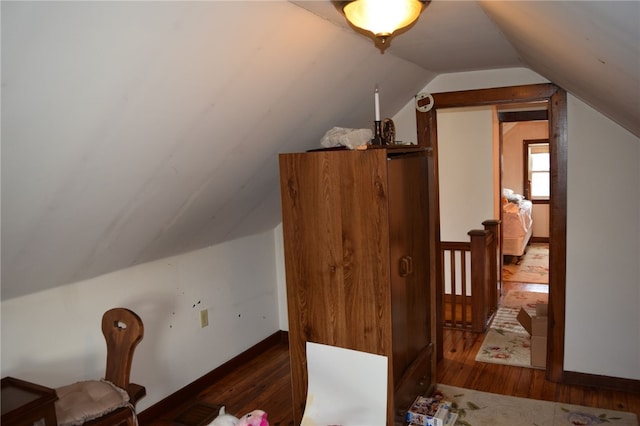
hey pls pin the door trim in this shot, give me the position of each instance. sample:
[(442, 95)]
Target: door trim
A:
[(556, 99)]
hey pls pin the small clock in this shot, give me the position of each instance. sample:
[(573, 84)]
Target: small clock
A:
[(388, 131)]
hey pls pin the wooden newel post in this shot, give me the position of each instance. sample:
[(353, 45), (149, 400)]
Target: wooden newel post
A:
[(495, 271), (479, 279)]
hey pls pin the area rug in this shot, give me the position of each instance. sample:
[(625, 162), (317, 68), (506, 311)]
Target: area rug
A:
[(526, 299), (506, 341), (477, 408), (532, 268)]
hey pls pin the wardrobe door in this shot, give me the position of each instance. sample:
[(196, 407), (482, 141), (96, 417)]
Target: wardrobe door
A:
[(410, 287), (334, 212)]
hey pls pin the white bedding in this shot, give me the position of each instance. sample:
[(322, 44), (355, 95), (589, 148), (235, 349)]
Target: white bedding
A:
[(516, 227), (516, 218)]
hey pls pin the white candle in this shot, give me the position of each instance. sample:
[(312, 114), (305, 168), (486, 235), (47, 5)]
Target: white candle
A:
[(377, 102)]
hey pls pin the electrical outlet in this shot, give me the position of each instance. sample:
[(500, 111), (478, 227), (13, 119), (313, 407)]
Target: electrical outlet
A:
[(204, 318)]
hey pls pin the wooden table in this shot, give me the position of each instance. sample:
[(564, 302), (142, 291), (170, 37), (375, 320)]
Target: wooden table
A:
[(25, 404)]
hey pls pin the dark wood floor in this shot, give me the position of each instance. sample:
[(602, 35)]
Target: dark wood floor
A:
[(264, 383)]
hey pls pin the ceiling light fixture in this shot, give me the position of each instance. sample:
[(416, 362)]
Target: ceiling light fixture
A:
[(382, 17)]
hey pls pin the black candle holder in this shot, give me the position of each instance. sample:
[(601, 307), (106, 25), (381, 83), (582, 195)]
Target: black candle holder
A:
[(377, 134)]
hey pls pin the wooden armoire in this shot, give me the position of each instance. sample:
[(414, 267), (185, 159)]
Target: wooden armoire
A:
[(359, 270)]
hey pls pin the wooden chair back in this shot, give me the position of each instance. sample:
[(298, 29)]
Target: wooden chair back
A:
[(123, 330)]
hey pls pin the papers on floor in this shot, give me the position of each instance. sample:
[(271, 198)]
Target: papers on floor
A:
[(346, 387), (431, 411)]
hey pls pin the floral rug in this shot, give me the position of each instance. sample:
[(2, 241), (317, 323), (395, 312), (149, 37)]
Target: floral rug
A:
[(506, 341), (526, 299), (532, 268), (477, 408)]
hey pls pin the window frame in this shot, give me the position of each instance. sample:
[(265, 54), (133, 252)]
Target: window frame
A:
[(526, 187)]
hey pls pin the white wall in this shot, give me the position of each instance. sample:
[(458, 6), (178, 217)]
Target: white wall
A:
[(282, 279), (603, 246), (465, 156), (53, 337), (603, 236)]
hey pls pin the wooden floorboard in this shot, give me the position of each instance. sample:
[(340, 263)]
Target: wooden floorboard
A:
[(459, 368), (265, 383)]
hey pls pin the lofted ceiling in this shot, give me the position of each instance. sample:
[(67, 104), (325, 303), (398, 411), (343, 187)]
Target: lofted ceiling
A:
[(133, 131)]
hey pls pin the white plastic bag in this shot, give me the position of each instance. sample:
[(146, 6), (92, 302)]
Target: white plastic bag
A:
[(351, 138)]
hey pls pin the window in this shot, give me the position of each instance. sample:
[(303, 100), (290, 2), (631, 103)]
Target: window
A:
[(536, 169)]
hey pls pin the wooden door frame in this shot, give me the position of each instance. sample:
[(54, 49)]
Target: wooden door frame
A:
[(556, 99)]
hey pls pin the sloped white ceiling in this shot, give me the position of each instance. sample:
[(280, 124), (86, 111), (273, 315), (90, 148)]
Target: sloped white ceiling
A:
[(589, 48), (132, 131), (449, 36)]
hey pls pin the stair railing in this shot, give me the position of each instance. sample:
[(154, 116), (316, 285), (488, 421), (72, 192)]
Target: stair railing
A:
[(471, 280)]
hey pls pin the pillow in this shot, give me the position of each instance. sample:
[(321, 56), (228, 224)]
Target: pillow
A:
[(83, 401), (506, 192), (515, 198)]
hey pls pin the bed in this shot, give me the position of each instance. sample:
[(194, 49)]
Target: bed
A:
[(517, 224)]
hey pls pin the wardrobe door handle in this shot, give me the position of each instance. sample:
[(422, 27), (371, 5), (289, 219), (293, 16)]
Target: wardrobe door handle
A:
[(406, 266)]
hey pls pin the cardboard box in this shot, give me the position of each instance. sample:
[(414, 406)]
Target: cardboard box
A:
[(428, 412), (536, 326), (450, 421)]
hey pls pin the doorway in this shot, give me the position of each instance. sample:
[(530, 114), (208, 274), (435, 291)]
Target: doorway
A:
[(524, 189), (555, 99)]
